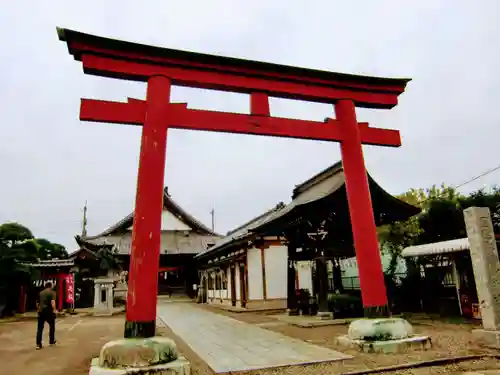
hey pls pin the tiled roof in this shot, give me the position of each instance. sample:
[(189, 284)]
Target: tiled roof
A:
[(52, 263), (329, 181), (242, 231)]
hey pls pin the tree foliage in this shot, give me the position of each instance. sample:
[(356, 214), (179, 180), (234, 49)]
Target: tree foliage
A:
[(17, 247), (441, 218), (49, 250)]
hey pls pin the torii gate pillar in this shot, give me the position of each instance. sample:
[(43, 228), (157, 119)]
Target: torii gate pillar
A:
[(145, 252), (161, 68)]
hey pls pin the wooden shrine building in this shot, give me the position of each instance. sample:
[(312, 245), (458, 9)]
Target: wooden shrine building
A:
[(263, 263), (182, 237)]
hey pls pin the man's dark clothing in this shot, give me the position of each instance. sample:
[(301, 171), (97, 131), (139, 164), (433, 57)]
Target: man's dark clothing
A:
[(46, 314)]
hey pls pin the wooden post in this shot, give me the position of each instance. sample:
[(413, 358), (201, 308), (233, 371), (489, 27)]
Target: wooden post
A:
[(263, 267), (371, 276), (145, 253), (232, 269), (322, 275), (291, 281)]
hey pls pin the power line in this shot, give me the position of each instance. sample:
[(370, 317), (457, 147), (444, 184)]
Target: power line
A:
[(487, 172), (478, 176)]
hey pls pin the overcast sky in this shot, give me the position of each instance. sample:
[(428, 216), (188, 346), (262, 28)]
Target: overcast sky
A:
[(51, 163)]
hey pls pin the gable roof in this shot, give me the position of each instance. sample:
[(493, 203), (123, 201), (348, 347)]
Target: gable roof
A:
[(331, 180), (242, 232), (168, 204)]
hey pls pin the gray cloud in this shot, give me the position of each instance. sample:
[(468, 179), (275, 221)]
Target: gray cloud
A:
[(51, 163)]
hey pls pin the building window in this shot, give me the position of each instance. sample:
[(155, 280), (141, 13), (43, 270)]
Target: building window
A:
[(217, 281), (210, 281)]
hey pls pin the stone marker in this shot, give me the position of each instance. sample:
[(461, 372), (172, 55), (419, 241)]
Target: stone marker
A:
[(103, 306), (486, 266)]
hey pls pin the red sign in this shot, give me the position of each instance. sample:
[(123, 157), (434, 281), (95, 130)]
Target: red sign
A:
[(70, 288)]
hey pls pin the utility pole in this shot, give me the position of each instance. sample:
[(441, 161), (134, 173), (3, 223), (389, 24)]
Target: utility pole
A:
[(84, 221), (213, 218)]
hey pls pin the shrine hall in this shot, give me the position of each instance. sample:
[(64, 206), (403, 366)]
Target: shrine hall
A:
[(182, 236), (263, 263)]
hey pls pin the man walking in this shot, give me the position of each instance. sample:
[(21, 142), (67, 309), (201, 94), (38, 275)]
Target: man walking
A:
[(46, 307)]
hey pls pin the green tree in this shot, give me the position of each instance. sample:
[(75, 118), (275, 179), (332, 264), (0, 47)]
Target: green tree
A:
[(438, 204), (49, 250), (17, 247)]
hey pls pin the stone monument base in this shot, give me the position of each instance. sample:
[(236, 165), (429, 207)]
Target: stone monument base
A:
[(178, 367), (102, 312), (388, 335), (487, 338), (154, 355), (324, 315), (388, 346), (292, 312)]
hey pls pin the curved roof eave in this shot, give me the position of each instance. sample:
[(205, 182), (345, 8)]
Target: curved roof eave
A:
[(327, 183)]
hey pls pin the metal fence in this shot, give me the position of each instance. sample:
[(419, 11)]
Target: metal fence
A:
[(352, 282)]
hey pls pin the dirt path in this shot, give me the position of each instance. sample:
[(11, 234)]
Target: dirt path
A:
[(448, 339), (79, 340)]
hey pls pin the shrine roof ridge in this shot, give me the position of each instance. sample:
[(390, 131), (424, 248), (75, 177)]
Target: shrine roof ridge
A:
[(242, 232), (168, 203), (369, 91), (318, 177)]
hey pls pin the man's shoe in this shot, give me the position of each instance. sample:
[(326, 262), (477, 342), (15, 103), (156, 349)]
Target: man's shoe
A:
[(53, 343), (38, 347)]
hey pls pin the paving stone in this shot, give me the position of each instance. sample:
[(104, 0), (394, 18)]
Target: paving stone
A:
[(226, 344)]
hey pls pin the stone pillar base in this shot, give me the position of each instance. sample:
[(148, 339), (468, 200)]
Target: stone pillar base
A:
[(154, 355), (102, 312), (324, 315), (487, 338), (178, 367), (391, 335), (292, 312)]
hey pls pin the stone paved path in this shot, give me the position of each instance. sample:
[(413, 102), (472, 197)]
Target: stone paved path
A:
[(226, 344)]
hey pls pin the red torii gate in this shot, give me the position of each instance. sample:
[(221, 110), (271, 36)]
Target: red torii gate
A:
[(161, 68)]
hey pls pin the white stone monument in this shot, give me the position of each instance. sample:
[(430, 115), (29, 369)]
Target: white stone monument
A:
[(121, 288), (486, 266), (103, 296)]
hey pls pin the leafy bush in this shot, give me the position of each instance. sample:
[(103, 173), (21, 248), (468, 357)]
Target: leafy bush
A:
[(345, 305)]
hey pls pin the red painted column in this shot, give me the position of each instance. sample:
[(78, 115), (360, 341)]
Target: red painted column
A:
[(60, 290), (371, 276), (145, 253), (22, 299)]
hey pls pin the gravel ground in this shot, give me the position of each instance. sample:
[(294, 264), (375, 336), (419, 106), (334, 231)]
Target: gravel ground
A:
[(448, 339)]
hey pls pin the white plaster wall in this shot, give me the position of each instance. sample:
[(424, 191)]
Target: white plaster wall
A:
[(170, 222), (237, 283), (255, 284), (276, 259), (305, 275)]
